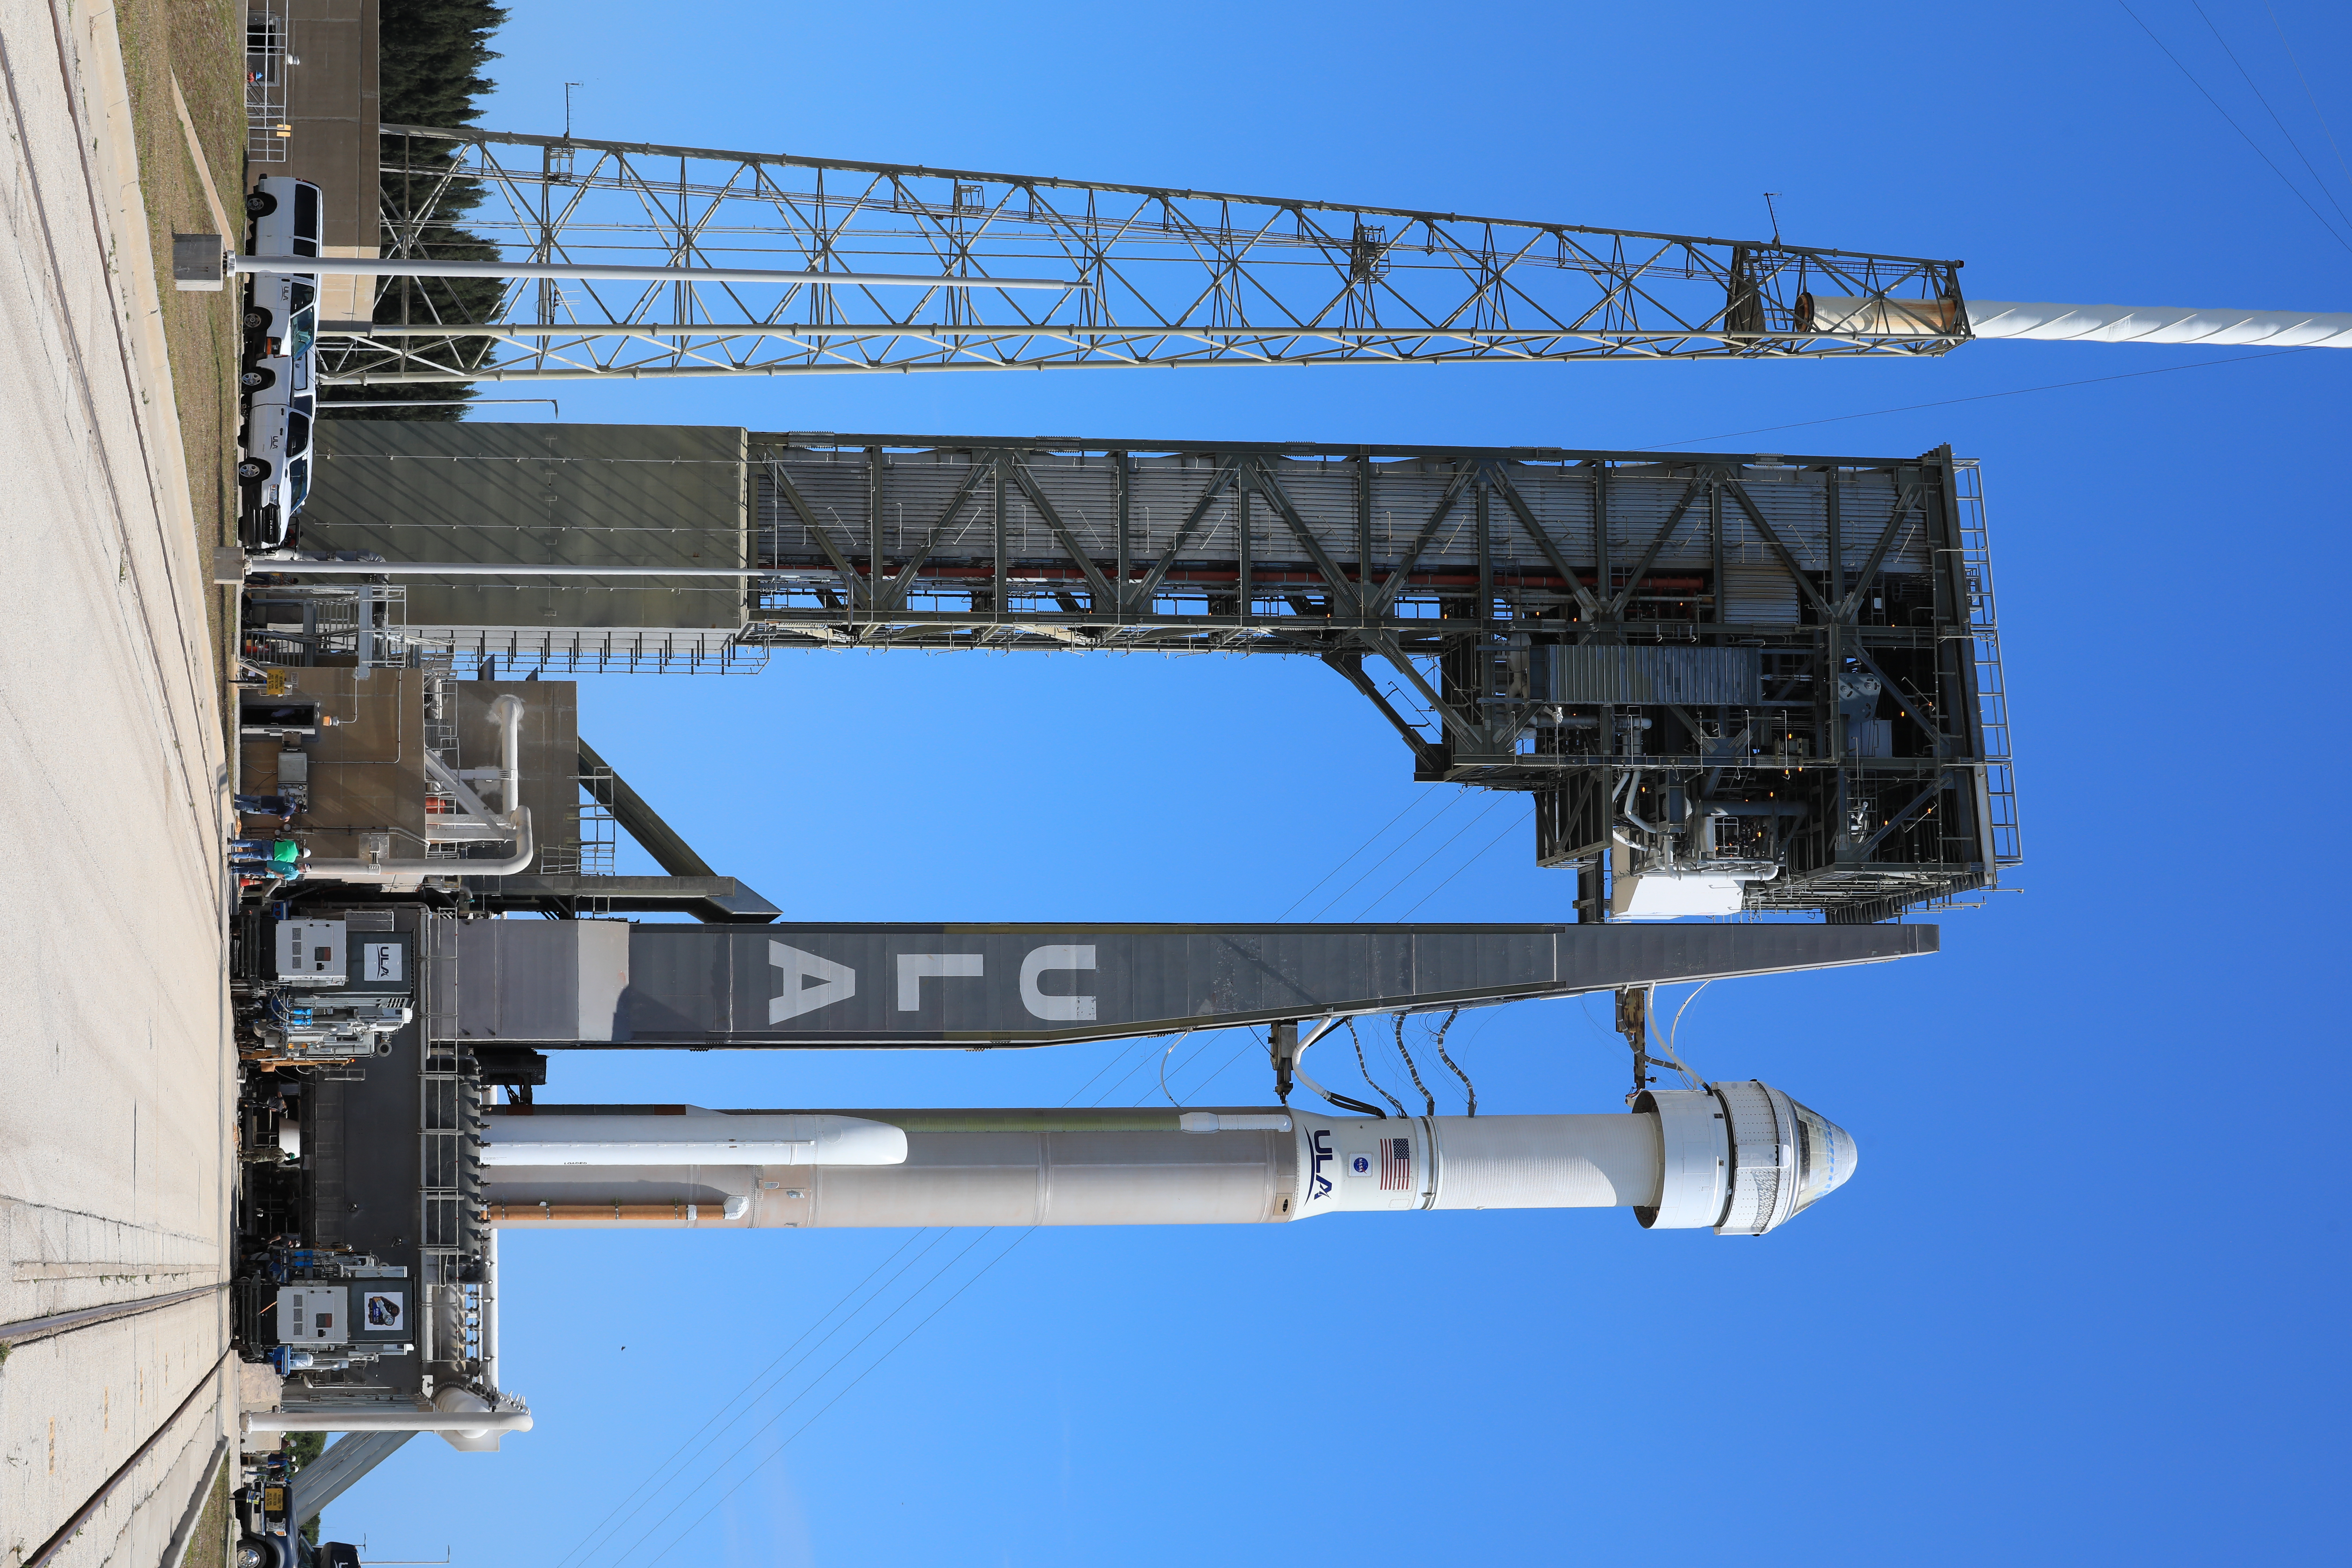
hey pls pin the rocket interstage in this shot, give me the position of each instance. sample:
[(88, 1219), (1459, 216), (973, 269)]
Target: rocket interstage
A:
[(1737, 1156)]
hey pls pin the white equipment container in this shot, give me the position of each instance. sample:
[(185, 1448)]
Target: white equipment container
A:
[(311, 953)]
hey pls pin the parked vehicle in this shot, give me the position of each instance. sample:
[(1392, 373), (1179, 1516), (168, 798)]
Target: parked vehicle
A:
[(278, 371), (274, 473), (268, 1534), (281, 316), (285, 217)]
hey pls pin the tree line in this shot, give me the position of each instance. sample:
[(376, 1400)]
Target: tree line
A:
[(431, 55)]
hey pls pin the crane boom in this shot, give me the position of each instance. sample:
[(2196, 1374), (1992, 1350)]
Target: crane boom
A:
[(1168, 276)]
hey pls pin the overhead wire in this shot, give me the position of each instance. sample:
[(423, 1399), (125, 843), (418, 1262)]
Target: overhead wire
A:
[(1457, 870), (1230, 1060), (629, 1553), (628, 1507), (1417, 801), (1483, 813), (1446, 804), (673, 1470), (1197, 1052), (2265, 103), (1458, 797), (1150, 1048), (631, 1506), (843, 1357), (1975, 397), (978, 1275), (2233, 125), (2318, 114), (1116, 1057)]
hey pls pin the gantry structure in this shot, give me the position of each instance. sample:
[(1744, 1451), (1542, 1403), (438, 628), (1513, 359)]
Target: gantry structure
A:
[(1808, 646), (1742, 662), (1157, 276)]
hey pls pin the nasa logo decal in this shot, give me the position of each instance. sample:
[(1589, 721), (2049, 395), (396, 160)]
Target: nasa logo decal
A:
[(1360, 1165)]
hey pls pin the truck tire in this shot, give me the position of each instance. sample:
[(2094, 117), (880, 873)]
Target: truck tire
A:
[(256, 378), (260, 204), (253, 468)]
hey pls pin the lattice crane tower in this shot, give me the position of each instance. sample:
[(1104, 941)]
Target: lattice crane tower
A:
[(1161, 276)]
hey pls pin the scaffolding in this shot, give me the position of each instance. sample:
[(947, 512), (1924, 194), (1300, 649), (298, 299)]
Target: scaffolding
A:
[(302, 624), (268, 38)]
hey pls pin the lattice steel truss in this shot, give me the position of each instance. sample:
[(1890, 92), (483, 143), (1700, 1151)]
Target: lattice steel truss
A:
[(1161, 276), (1750, 660)]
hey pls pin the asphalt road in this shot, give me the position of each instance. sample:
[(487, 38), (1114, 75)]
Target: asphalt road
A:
[(116, 1070)]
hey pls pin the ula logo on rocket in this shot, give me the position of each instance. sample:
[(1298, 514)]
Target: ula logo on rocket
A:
[(1321, 1184)]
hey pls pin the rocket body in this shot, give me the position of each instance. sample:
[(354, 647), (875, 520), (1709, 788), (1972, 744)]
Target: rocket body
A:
[(1676, 1160)]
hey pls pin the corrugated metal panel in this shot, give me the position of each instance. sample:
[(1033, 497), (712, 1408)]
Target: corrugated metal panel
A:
[(1760, 597), (1594, 673), (546, 495)]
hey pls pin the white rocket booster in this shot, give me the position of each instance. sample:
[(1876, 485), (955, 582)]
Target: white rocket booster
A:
[(1740, 1157)]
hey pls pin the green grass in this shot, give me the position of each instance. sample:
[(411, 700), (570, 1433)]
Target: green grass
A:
[(201, 43)]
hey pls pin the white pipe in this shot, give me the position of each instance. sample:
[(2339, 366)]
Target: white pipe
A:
[(354, 1418), (416, 266), (479, 1438), (410, 874), (514, 864), (2153, 324), (507, 714)]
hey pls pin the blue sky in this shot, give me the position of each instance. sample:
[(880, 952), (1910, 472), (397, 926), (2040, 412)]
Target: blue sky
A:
[(2081, 1302)]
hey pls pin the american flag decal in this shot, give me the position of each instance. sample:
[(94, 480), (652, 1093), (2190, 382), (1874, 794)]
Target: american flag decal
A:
[(1396, 1164)]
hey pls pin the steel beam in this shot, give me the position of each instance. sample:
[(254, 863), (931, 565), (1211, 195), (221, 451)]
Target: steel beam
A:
[(335, 1472), (880, 985)]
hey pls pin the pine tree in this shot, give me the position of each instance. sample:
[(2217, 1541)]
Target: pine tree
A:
[(432, 55)]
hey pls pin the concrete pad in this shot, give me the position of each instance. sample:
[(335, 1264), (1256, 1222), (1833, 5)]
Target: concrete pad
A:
[(115, 1167)]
